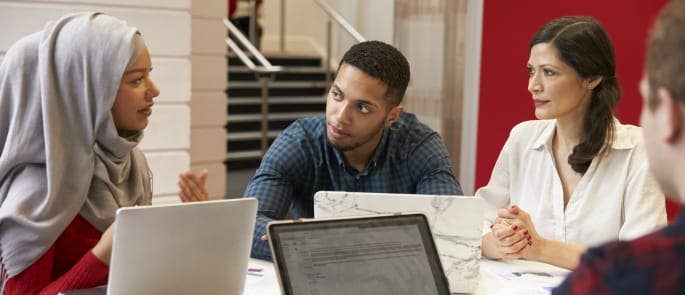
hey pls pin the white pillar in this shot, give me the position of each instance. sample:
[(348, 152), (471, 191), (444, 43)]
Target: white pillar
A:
[(208, 104)]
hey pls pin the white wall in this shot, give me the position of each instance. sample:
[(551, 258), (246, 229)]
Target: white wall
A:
[(208, 103), (165, 25), (304, 26)]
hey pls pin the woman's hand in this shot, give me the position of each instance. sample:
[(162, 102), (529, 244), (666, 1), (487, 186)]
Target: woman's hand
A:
[(505, 241), (520, 219), (540, 249), (103, 249), (192, 187)]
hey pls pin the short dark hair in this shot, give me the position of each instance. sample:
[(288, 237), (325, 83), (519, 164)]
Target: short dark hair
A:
[(583, 44), (666, 53), (383, 62)]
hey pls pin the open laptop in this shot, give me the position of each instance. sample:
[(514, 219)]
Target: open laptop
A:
[(456, 223), (188, 248), (392, 254)]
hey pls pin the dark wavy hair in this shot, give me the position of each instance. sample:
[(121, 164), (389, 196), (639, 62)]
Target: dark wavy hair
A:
[(383, 62), (583, 44)]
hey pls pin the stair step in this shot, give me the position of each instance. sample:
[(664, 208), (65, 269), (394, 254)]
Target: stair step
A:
[(290, 69), (233, 165), (276, 91), (252, 135), (257, 125), (275, 109), (299, 91), (245, 145), (277, 84), (243, 155), (277, 100), (274, 117), (308, 61), (283, 76)]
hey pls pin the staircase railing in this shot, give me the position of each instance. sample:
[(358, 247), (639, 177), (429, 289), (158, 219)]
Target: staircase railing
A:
[(332, 14), (343, 23), (264, 73)]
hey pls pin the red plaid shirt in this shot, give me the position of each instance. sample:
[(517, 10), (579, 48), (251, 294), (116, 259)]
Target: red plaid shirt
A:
[(653, 264)]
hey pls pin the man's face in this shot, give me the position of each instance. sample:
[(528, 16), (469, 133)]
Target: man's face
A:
[(357, 110), (652, 121)]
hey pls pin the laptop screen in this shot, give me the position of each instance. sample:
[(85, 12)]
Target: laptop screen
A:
[(368, 255)]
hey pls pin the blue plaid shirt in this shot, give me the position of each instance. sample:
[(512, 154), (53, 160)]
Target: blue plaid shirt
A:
[(410, 158)]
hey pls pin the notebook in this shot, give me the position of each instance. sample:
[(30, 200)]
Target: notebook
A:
[(188, 248), (456, 223), (390, 254)]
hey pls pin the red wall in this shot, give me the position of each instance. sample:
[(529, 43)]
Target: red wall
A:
[(507, 29)]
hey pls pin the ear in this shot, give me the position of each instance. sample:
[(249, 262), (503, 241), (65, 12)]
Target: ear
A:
[(592, 82), (394, 115), (671, 113)]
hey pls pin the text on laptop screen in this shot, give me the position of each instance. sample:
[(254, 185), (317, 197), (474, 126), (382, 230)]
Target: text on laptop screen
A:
[(359, 256)]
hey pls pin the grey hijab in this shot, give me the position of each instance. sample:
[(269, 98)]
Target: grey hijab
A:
[(60, 152)]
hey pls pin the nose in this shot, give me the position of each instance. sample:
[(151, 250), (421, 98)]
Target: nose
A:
[(152, 90), (343, 113), (534, 85)]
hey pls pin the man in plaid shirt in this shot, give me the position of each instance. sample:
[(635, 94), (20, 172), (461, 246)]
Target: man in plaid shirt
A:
[(364, 143), (653, 264)]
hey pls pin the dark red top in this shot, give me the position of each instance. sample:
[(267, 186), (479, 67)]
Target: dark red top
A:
[(67, 265)]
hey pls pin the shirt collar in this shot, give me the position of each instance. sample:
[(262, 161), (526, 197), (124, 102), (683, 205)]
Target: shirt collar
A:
[(544, 137), (622, 141)]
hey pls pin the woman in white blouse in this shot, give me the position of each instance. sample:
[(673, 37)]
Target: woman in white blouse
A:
[(576, 177)]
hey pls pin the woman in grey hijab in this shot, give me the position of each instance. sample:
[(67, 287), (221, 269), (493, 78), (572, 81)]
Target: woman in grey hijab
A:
[(74, 99)]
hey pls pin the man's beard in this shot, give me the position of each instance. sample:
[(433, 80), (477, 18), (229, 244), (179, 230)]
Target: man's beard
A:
[(356, 144)]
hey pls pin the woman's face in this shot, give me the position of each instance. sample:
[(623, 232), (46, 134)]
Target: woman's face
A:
[(133, 104), (558, 91)]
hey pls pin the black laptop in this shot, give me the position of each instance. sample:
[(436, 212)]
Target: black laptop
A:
[(391, 254)]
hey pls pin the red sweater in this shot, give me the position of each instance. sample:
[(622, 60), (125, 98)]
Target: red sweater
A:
[(67, 265)]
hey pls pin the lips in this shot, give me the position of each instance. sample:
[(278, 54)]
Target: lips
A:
[(539, 102), (335, 132), (146, 111)]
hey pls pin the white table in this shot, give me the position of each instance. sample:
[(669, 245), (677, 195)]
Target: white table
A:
[(514, 277)]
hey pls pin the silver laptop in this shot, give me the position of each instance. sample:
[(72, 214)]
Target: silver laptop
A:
[(189, 248), (456, 223), (391, 254)]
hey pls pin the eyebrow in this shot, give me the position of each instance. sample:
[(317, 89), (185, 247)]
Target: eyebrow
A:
[(544, 65), (139, 70), (361, 100)]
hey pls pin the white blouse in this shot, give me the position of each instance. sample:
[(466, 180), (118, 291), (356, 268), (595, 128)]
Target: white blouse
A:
[(617, 198)]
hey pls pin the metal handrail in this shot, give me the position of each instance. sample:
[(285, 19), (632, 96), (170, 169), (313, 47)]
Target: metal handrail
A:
[(266, 70), (332, 14), (266, 67), (342, 22), (264, 73)]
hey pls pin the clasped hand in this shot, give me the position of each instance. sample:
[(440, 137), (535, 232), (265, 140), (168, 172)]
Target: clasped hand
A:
[(513, 234)]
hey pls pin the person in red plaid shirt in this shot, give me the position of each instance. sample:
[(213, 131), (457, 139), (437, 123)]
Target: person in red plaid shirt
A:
[(653, 264)]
